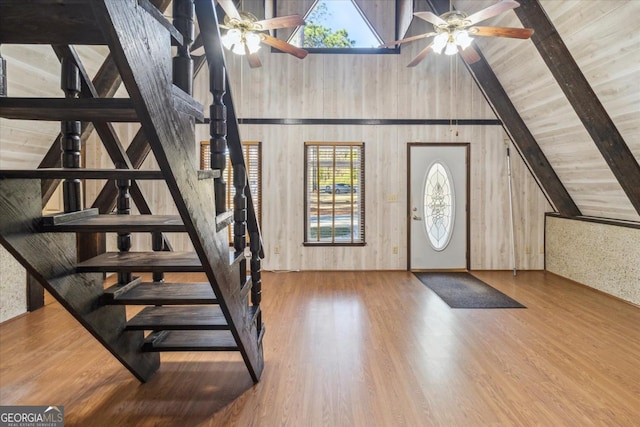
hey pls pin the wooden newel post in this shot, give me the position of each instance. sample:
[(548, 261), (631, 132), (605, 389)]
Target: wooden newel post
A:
[(123, 206), (70, 142), (183, 12), (218, 141)]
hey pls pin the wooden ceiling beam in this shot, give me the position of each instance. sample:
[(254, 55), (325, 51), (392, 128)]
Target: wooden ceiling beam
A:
[(582, 98), (515, 127)]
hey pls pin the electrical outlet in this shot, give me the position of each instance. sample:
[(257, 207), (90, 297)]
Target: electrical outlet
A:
[(395, 250), (276, 250)]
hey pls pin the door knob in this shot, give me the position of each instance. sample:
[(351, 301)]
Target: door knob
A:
[(416, 218)]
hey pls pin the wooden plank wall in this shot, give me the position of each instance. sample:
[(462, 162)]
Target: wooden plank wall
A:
[(358, 86), (601, 37), (378, 87)]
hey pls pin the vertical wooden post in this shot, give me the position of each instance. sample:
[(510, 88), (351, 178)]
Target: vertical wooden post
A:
[(3, 76), (70, 142), (239, 208), (256, 275), (157, 244), (218, 130), (183, 12), (240, 217), (123, 206)]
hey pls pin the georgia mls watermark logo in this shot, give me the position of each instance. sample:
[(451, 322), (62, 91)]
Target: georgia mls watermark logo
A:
[(32, 416)]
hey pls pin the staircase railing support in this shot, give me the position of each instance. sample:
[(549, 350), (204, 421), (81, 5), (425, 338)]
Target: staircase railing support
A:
[(123, 206), (218, 132), (70, 141), (240, 217), (183, 13)]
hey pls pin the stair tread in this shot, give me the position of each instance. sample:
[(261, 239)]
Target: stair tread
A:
[(149, 293), (114, 223), (88, 109), (69, 22), (83, 109), (187, 318), (81, 173), (190, 341), (142, 262)]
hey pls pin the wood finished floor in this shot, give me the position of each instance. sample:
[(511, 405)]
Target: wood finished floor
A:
[(358, 349)]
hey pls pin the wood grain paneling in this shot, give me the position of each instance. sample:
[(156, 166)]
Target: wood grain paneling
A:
[(351, 86), (367, 86), (604, 44)]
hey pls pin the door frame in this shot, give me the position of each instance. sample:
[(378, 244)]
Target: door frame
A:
[(467, 147)]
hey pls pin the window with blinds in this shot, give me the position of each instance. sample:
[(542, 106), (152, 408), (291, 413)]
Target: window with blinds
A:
[(253, 161), (334, 193)]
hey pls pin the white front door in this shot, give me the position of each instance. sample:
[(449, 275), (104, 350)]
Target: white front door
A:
[(438, 206)]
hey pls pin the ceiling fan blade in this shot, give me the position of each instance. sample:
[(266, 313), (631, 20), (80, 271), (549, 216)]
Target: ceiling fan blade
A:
[(469, 54), (283, 46), (280, 22), (408, 39), (514, 33), (430, 17), (230, 9), (254, 60), (492, 11), (423, 53)]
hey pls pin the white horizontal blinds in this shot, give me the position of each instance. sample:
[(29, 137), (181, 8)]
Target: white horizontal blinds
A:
[(334, 211), (253, 161), (205, 155)]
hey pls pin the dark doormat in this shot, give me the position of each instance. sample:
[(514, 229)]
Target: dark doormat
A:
[(462, 290)]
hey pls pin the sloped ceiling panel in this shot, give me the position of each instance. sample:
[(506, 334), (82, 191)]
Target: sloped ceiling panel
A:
[(544, 108), (603, 39)]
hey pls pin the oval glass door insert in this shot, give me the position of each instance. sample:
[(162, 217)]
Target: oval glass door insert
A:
[(438, 206)]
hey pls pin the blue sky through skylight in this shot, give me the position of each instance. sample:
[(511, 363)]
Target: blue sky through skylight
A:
[(344, 14)]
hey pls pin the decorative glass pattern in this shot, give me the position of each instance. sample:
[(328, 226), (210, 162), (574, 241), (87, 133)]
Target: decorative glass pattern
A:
[(438, 206)]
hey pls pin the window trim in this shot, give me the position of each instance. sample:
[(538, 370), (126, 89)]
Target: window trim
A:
[(361, 190)]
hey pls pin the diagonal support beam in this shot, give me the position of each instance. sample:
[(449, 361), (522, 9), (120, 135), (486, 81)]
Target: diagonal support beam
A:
[(513, 124), (583, 99)]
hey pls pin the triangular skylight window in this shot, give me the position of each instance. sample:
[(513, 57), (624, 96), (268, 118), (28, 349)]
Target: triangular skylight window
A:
[(335, 24)]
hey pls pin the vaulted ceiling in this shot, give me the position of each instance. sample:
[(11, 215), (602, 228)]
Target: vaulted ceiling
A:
[(569, 97), (590, 139)]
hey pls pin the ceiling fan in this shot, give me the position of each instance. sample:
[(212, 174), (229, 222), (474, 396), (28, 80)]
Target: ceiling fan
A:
[(453, 31), (245, 33)]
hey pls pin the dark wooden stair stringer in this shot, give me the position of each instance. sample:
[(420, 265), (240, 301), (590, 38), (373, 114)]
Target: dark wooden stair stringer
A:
[(167, 115), (170, 133), (51, 259)]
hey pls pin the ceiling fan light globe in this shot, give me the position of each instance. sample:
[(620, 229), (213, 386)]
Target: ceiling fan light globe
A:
[(231, 38), (451, 49), (238, 48), (253, 42), (462, 38), (439, 42)]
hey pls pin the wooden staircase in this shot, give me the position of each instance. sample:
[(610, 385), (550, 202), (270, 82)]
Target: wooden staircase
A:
[(222, 314)]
